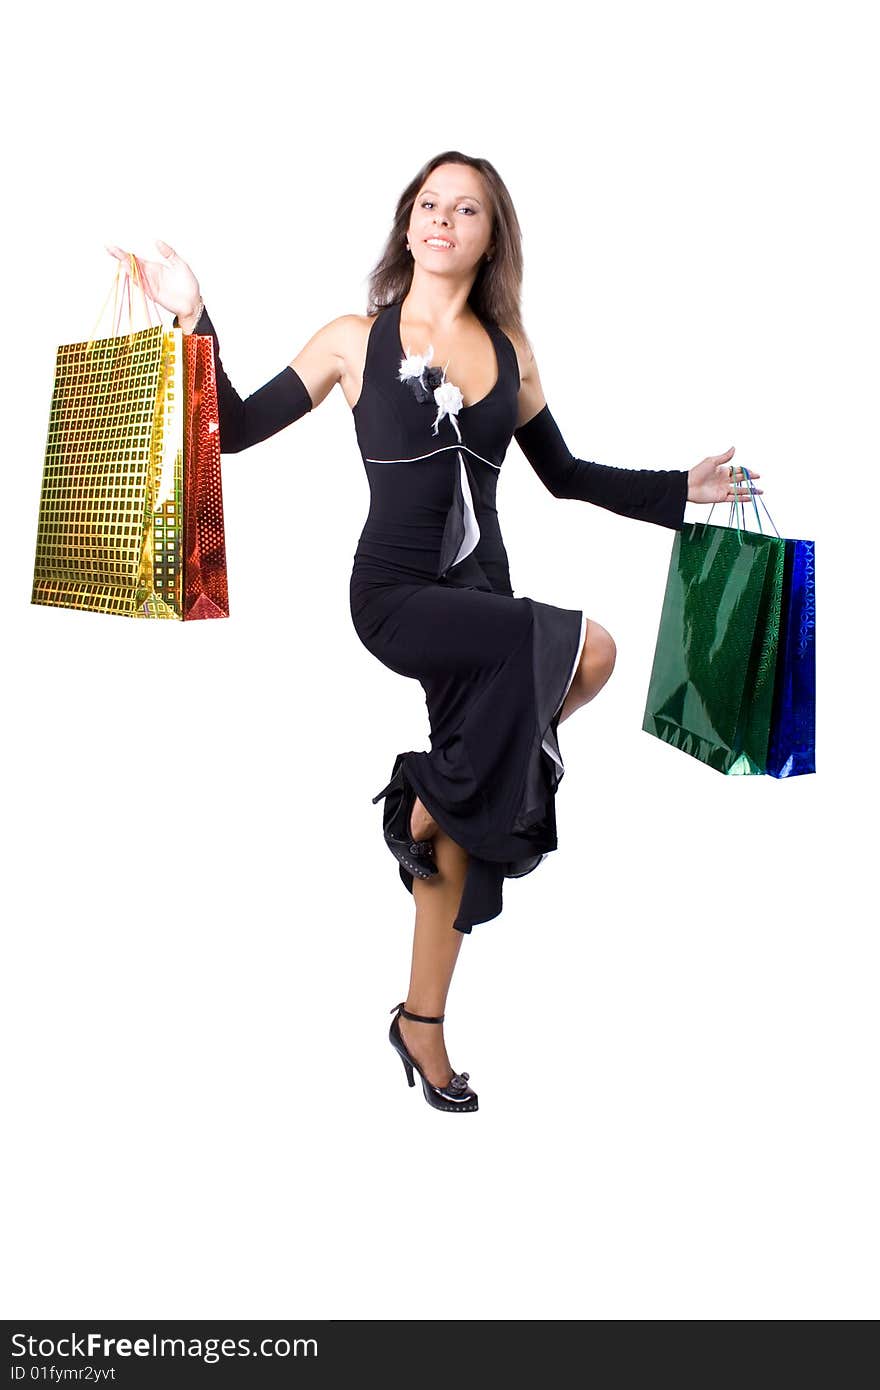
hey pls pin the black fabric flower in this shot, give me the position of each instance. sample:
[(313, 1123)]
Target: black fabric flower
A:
[(430, 386), (423, 386)]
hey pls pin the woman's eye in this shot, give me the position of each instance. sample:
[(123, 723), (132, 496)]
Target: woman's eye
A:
[(427, 203)]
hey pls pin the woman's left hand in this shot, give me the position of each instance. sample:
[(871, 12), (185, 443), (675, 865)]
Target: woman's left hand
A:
[(711, 481)]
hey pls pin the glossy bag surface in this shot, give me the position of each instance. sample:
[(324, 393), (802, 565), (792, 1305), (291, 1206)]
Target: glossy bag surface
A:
[(205, 587), (792, 749), (714, 670), (131, 513)]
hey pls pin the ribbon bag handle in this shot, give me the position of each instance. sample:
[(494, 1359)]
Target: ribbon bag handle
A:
[(132, 273), (733, 509)]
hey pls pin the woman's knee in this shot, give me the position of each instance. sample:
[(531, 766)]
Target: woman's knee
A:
[(599, 655)]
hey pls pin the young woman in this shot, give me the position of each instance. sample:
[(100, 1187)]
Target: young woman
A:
[(440, 376)]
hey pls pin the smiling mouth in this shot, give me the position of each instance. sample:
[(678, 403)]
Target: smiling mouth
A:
[(439, 243)]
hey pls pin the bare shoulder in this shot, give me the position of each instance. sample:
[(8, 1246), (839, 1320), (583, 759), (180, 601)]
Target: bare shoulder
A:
[(334, 354), (531, 397), (353, 326), (342, 335), (347, 335), (524, 355)]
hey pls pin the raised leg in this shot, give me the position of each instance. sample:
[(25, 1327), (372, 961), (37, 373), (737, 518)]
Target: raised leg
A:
[(594, 668)]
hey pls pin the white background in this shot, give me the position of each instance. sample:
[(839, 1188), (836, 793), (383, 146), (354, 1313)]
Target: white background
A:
[(673, 1025)]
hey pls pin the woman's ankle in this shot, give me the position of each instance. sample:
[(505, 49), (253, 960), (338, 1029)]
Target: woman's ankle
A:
[(425, 1011)]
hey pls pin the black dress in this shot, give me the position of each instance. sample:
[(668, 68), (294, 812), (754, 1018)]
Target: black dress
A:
[(430, 591), (431, 599)]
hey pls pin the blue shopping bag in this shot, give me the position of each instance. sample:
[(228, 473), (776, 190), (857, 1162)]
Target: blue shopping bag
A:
[(792, 746)]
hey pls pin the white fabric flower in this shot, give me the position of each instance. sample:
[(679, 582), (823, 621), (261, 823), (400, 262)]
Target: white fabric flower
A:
[(414, 363), (447, 396), (449, 402)]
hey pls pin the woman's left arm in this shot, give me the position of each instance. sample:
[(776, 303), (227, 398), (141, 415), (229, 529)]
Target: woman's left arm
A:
[(646, 494)]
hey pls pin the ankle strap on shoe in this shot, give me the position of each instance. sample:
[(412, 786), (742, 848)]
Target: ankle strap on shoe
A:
[(417, 1018)]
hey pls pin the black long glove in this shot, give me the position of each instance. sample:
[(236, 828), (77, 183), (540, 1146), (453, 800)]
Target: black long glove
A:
[(268, 410), (647, 494)]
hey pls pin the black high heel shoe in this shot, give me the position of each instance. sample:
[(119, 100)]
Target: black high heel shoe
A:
[(416, 856), (456, 1094)]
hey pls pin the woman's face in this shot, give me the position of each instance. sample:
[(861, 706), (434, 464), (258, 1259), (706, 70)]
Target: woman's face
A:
[(451, 207)]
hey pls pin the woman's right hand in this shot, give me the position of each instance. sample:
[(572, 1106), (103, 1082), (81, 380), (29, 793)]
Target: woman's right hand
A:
[(169, 282)]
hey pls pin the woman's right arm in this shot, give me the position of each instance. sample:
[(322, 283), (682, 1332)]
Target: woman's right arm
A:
[(267, 410), (297, 388)]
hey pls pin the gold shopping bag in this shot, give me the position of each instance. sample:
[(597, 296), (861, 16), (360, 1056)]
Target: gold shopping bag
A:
[(131, 513)]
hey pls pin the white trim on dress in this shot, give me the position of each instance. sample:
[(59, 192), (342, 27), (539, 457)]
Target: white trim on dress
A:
[(580, 649), (443, 447)]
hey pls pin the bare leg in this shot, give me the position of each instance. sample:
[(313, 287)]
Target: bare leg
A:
[(436, 944), (594, 669), (422, 824)]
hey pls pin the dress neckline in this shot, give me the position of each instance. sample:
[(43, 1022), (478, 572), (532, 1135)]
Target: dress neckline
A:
[(398, 309)]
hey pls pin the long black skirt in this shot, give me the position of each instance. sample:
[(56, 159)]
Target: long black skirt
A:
[(495, 671)]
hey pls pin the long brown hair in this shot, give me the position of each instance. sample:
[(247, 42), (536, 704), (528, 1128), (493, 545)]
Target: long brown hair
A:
[(496, 291)]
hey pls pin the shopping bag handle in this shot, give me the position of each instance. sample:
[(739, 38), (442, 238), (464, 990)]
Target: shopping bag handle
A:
[(132, 273), (733, 508)]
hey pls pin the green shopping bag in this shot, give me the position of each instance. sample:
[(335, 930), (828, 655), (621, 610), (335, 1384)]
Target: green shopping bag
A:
[(711, 687)]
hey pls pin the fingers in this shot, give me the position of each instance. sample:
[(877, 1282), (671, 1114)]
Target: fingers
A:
[(167, 251), (719, 459), (121, 255), (740, 472)]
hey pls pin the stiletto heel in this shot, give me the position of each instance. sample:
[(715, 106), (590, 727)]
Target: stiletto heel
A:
[(416, 856), (456, 1094)]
